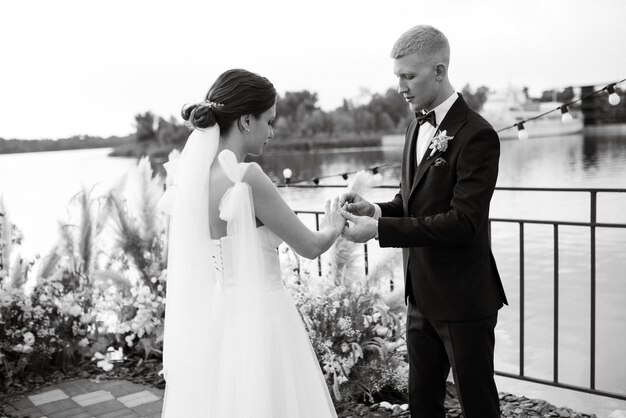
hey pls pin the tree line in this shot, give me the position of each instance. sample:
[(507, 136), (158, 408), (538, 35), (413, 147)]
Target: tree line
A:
[(300, 116)]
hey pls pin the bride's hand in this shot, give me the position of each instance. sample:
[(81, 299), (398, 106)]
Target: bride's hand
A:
[(332, 217)]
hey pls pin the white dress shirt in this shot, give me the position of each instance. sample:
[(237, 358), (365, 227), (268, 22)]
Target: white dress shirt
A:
[(425, 135)]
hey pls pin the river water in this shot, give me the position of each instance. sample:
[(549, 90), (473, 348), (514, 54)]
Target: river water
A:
[(37, 186)]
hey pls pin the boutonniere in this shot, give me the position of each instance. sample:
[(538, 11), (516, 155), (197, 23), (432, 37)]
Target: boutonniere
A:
[(439, 143)]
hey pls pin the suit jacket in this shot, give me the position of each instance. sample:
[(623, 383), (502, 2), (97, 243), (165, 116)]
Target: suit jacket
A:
[(440, 219)]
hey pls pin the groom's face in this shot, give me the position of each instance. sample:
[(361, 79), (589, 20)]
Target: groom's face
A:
[(416, 80)]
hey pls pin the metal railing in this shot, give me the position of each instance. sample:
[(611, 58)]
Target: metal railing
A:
[(593, 225)]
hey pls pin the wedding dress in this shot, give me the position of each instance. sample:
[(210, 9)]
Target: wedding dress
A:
[(235, 344)]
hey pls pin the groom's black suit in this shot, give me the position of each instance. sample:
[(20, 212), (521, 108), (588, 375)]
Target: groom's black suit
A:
[(440, 219)]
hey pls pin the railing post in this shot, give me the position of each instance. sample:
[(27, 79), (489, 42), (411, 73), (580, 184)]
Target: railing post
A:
[(319, 259), (556, 303), (521, 297), (366, 259), (592, 359)]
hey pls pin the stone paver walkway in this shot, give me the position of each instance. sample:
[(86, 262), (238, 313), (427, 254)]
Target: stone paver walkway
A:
[(87, 398)]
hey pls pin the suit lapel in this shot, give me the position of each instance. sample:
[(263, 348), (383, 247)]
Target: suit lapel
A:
[(452, 122), (408, 166)]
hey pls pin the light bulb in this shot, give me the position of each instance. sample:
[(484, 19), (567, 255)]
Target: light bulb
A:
[(287, 174), (522, 134), (614, 99), (566, 117)]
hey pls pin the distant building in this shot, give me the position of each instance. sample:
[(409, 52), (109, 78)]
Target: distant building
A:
[(598, 111)]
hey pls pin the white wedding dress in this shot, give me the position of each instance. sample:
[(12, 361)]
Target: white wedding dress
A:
[(235, 344)]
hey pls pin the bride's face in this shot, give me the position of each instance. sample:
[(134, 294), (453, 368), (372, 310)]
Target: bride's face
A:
[(261, 131)]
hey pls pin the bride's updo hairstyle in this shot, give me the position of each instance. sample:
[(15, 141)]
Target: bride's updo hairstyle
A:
[(235, 93)]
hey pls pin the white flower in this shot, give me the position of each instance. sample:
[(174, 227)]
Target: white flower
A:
[(153, 279), (129, 339), (27, 349), (345, 347), (341, 379), (115, 355), (75, 310), (342, 323), (84, 342), (43, 298), (439, 143), (336, 304), (346, 302), (29, 338), (160, 288), (85, 319), (382, 331), (105, 365)]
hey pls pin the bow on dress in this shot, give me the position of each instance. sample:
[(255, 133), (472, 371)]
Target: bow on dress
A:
[(237, 209)]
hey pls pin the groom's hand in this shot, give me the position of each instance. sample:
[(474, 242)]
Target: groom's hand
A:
[(358, 228), (356, 205)]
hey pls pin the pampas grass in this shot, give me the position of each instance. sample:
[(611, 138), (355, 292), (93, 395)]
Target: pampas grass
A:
[(346, 264)]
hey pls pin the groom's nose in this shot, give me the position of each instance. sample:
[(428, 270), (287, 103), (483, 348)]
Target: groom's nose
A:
[(402, 88)]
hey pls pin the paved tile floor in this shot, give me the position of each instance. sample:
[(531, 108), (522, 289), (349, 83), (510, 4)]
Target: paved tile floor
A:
[(86, 399)]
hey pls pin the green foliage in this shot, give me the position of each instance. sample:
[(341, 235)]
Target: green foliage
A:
[(145, 124), (299, 116), (358, 340), (9, 146)]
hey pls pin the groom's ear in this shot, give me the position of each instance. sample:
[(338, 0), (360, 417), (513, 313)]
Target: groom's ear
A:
[(440, 71)]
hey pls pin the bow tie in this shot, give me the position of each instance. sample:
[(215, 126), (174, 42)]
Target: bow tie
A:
[(426, 117)]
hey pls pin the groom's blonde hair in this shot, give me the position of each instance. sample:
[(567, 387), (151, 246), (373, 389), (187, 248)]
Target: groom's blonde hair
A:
[(424, 40)]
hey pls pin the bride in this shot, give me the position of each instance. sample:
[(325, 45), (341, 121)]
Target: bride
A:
[(234, 343)]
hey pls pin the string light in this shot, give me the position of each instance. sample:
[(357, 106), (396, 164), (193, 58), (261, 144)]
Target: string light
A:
[(566, 117), (614, 98), (316, 181), (522, 134), (344, 176)]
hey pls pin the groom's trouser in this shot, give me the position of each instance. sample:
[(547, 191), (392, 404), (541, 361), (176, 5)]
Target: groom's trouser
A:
[(467, 347)]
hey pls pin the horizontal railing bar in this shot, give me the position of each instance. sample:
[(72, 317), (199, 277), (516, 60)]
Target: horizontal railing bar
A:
[(563, 385), (567, 223), (331, 186), (561, 189), (527, 221), (505, 188)]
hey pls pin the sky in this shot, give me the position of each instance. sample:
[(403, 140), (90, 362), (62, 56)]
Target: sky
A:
[(84, 67)]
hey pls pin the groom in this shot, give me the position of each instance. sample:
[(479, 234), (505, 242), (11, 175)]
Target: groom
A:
[(440, 220)]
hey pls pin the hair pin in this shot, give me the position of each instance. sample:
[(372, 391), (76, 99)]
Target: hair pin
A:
[(210, 104)]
